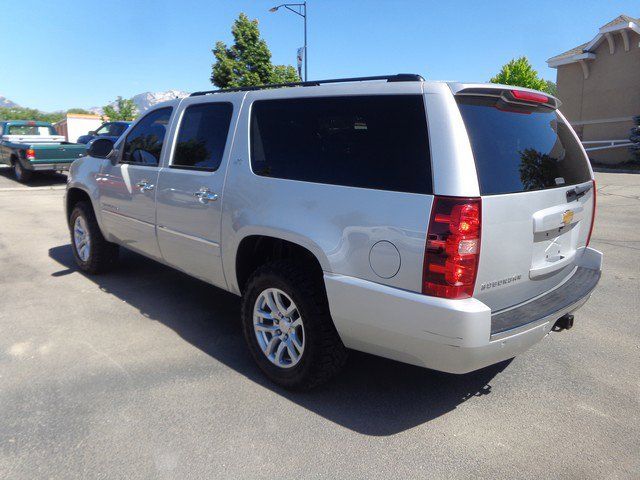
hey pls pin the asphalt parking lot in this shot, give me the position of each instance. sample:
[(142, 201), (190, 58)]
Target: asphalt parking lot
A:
[(143, 373)]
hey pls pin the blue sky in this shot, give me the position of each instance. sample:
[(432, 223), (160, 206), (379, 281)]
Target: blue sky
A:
[(73, 53)]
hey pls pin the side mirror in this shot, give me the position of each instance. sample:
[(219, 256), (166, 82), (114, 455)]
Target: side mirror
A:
[(93, 133), (100, 148)]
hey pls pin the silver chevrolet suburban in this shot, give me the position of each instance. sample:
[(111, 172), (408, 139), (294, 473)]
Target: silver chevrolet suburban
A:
[(445, 225)]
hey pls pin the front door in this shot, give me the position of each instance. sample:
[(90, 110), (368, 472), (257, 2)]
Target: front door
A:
[(128, 187), (189, 203)]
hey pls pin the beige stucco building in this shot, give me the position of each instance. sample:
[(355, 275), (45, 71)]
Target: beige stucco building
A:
[(599, 86), (77, 124)]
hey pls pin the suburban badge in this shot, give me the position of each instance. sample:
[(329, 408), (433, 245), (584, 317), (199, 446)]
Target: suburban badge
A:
[(501, 282)]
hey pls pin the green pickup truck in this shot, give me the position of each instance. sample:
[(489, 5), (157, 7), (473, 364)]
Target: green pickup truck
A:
[(29, 146)]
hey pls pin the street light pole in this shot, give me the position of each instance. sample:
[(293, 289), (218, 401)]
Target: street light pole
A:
[(305, 41), (301, 11)]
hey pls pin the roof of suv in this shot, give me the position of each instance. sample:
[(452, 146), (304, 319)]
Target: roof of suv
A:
[(399, 77), (359, 82)]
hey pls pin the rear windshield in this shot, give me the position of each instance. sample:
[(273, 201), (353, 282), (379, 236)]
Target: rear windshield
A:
[(378, 142), (519, 149), (30, 130)]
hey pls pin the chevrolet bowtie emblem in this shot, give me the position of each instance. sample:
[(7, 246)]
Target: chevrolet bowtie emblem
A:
[(567, 217)]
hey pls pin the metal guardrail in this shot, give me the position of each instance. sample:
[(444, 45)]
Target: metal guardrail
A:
[(609, 144)]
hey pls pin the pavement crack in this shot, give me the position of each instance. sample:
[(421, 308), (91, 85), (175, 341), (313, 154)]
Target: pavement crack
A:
[(109, 358)]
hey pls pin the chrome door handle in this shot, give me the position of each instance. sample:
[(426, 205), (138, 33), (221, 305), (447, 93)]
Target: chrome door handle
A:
[(204, 195), (145, 186)]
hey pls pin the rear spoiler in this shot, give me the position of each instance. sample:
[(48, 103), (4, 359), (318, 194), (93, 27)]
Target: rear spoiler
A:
[(512, 95)]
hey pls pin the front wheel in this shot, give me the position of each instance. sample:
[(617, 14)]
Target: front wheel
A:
[(22, 175), (288, 328), (92, 252)]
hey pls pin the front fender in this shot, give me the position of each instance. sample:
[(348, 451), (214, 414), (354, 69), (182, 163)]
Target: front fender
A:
[(82, 176)]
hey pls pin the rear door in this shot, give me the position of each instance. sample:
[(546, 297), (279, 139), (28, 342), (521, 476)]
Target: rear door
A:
[(189, 197), (537, 194)]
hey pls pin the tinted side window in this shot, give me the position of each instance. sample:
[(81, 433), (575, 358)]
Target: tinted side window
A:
[(519, 149), (144, 143), (377, 142), (202, 136)]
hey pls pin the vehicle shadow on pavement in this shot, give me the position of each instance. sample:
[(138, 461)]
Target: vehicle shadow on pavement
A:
[(40, 179), (372, 396)]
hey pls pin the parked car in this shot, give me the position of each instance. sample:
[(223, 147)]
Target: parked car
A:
[(445, 225), (110, 130), (29, 146)]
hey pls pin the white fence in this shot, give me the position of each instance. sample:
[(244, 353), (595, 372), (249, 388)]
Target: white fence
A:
[(605, 144)]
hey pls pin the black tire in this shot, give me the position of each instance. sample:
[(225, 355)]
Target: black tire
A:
[(324, 353), (102, 255), (22, 175)]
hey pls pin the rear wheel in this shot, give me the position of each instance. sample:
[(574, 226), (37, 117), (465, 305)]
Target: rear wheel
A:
[(288, 328), (22, 175), (92, 252)]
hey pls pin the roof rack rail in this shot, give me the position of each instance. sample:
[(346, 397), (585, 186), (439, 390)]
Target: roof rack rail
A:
[(399, 77)]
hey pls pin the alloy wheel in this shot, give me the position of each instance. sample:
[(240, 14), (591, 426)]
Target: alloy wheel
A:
[(81, 238), (278, 327)]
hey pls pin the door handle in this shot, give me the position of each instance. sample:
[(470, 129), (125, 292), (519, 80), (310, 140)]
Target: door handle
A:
[(204, 195), (145, 186)]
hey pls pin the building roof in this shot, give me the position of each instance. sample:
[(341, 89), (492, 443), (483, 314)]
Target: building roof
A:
[(570, 53), (621, 19), (84, 115), (586, 50)]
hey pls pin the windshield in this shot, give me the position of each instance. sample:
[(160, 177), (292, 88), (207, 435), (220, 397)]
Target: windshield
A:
[(519, 149), (31, 130), (111, 130), (104, 130)]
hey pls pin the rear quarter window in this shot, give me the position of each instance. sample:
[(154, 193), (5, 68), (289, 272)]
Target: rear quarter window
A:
[(519, 149), (376, 142)]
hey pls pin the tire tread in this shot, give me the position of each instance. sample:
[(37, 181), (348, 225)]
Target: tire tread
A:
[(329, 354), (104, 254)]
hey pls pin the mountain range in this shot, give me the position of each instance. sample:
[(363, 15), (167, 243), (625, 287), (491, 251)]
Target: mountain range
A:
[(5, 102), (143, 101)]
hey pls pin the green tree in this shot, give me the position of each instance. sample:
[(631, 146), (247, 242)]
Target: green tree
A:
[(284, 74), (520, 72), (79, 110), (552, 88), (22, 113), (123, 110), (248, 61)]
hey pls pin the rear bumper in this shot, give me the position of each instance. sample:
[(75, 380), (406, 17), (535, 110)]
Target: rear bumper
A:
[(38, 167), (449, 335)]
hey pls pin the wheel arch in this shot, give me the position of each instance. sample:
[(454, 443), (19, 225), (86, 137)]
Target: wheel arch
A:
[(256, 250), (75, 195)]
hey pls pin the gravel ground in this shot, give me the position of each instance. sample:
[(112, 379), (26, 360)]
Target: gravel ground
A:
[(143, 373)]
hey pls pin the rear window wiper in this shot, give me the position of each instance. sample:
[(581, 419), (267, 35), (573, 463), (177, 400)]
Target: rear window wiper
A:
[(577, 192)]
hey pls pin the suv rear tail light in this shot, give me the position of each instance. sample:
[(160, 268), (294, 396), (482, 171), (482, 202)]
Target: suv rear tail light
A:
[(31, 154), (529, 96), (453, 248), (593, 215)]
